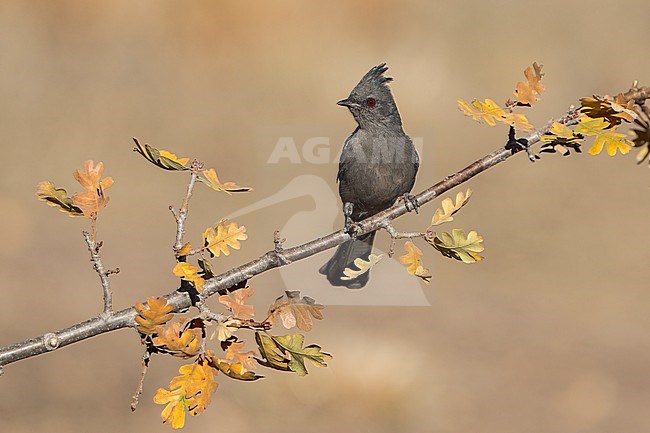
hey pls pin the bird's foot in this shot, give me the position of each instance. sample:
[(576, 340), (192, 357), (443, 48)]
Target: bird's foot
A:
[(411, 203), (352, 229)]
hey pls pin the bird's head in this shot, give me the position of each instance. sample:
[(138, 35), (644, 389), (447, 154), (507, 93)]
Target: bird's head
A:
[(371, 102)]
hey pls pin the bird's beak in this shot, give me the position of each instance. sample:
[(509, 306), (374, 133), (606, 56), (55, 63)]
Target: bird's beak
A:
[(347, 103)]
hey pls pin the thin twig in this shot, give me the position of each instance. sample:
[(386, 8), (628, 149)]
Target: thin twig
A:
[(138, 391), (220, 283), (195, 167), (103, 273)]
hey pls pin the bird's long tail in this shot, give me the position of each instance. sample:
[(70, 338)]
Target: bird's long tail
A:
[(344, 256)]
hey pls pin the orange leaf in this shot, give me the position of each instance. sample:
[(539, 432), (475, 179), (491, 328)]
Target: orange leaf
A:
[(93, 200), (155, 313), (525, 92), (179, 341), (413, 262), (235, 303)]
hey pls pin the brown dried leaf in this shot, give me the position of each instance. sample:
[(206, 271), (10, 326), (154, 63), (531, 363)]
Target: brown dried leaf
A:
[(293, 310), (154, 313)]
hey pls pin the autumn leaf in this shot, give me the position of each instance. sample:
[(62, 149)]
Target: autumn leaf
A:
[(191, 392), (562, 137), (189, 273), (293, 310), (517, 121), (458, 246), (615, 111), (224, 330), (154, 313), (641, 138), (185, 249), (233, 351), (488, 112), (362, 266), (413, 262), (93, 200), (225, 235), (235, 301), (57, 197), (287, 353), (179, 340), (233, 370), (161, 158), (526, 91), (448, 208), (211, 180), (604, 138)]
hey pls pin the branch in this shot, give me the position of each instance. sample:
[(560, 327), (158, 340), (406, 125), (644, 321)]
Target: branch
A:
[(103, 273), (272, 259)]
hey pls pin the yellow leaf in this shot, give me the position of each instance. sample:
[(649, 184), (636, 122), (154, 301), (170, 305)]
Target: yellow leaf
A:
[(211, 180), (363, 266), (604, 138), (444, 214), (189, 273), (154, 313), (191, 392), (234, 370), (293, 310), (93, 200), (235, 301), (178, 340), (458, 246), (525, 92), (413, 262), (613, 110), (488, 111), (224, 330), (58, 197), (225, 235), (517, 121)]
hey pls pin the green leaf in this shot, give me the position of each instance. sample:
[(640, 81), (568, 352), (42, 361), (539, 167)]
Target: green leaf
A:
[(161, 158), (458, 246), (296, 354), (270, 357), (58, 197)]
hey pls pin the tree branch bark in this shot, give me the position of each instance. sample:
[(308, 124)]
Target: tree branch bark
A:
[(272, 259)]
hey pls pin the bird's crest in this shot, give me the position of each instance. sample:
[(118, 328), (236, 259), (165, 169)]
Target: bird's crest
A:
[(376, 77)]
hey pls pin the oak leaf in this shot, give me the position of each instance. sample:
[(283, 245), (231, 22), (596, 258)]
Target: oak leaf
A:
[(93, 200), (488, 112), (190, 391), (448, 208), (363, 266), (562, 137), (211, 180), (57, 197), (293, 310), (224, 236), (235, 301), (233, 353), (526, 91), (458, 246), (189, 273), (179, 340), (233, 370), (517, 121), (224, 330), (286, 353), (605, 136), (155, 313), (614, 110), (413, 262), (161, 158)]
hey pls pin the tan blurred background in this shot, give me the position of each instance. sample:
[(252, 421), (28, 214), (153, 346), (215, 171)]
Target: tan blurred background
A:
[(548, 334)]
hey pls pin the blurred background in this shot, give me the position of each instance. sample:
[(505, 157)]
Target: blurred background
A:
[(548, 334)]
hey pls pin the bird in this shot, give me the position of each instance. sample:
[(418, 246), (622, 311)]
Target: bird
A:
[(377, 166)]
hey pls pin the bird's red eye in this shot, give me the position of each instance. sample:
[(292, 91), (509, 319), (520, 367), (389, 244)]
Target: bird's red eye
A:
[(370, 102)]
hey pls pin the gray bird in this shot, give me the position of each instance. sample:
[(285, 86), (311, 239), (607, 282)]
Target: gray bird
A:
[(378, 165)]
